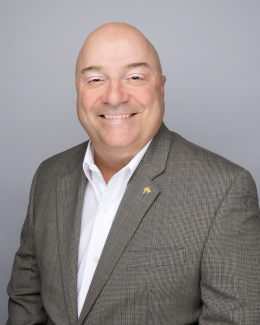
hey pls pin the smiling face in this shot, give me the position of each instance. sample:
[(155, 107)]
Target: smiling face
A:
[(120, 89)]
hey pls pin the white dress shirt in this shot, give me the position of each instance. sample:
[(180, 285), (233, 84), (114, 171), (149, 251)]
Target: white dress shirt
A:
[(100, 205)]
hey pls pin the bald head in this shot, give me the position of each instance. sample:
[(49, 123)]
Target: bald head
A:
[(114, 35)]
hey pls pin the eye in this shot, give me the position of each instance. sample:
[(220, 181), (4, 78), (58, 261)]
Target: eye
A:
[(136, 78), (95, 81)]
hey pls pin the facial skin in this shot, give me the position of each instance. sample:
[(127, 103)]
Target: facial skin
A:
[(118, 74)]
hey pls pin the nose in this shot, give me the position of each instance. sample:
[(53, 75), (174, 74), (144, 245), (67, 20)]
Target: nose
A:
[(115, 94)]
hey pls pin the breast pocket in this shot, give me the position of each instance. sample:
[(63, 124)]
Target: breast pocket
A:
[(156, 258)]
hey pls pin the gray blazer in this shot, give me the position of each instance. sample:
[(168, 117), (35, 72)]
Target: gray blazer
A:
[(187, 252)]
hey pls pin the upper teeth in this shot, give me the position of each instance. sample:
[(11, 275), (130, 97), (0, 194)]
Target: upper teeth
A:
[(117, 116)]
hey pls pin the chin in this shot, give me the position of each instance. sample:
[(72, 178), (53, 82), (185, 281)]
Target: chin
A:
[(119, 143), (120, 140)]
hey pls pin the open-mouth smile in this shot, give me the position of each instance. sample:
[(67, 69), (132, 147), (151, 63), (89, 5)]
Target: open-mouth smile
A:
[(117, 116)]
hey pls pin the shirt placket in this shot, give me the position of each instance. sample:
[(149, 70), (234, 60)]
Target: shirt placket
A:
[(102, 224)]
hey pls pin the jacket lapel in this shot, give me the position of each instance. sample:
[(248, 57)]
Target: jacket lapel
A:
[(70, 193), (130, 213)]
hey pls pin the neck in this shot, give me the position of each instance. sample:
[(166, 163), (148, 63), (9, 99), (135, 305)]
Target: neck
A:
[(110, 162)]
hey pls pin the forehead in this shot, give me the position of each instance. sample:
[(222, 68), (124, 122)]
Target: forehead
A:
[(115, 52)]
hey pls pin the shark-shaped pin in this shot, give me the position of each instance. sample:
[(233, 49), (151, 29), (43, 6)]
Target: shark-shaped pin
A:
[(146, 190)]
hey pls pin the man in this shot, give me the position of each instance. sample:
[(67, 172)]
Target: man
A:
[(152, 229)]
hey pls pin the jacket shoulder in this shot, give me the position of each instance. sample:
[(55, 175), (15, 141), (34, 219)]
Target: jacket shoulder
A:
[(202, 162), (55, 165)]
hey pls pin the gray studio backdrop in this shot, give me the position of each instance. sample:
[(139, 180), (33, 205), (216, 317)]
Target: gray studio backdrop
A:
[(210, 54)]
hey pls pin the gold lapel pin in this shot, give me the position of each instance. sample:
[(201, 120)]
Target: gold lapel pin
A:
[(146, 190)]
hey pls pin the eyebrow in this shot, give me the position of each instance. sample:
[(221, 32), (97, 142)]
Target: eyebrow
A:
[(92, 68), (137, 65)]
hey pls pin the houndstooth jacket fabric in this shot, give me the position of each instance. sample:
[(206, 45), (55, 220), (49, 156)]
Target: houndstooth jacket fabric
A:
[(187, 252)]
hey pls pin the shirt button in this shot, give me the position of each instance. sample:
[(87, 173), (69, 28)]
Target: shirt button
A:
[(105, 208), (95, 259)]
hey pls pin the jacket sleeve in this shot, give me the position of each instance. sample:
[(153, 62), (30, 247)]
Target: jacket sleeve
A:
[(230, 269), (24, 289)]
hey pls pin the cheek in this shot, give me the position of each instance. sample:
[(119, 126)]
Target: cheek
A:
[(87, 100), (145, 96)]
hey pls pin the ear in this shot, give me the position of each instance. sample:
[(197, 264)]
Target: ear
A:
[(162, 84)]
